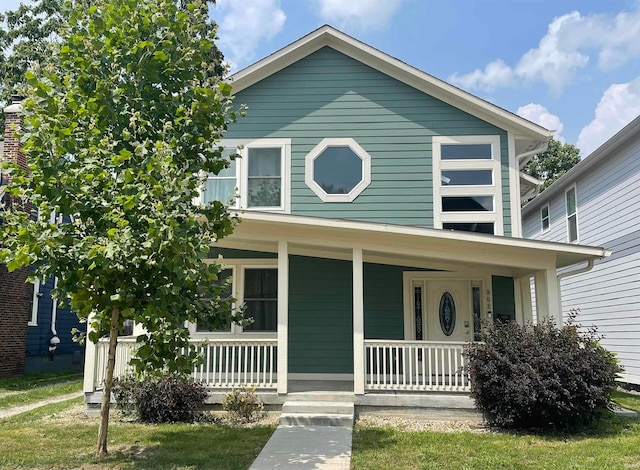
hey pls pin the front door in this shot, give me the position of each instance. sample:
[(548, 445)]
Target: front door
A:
[(442, 310), (448, 312)]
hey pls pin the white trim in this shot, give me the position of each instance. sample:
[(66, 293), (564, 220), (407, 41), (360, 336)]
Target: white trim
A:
[(514, 188), (242, 147), (238, 267), (446, 245), (542, 218), (567, 215), (479, 280), (337, 40), (283, 315), (358, 323), (494, 164), (33, 321), (337, 142)]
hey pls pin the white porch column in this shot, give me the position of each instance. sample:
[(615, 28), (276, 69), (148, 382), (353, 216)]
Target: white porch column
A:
[(524, 309), (548, 302), (283, 315), (358, 323), (89, 361)]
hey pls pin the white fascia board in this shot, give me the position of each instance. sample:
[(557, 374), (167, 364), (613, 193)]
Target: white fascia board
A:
[(564, 252), (624, 136), (328, 36)]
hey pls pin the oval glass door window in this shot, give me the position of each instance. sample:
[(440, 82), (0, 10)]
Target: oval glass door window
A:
[(447, 314)]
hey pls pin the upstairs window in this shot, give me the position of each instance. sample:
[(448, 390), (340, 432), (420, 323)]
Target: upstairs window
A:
[(338, 170), (544, 218), (572, 214), (258, 179), (467, 191)]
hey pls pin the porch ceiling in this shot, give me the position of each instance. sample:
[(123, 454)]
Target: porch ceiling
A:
[(411, 246)]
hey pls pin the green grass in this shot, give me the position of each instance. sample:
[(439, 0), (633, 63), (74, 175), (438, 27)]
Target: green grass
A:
[(34, 380), (51, 437), (39, 394), (611, 443)]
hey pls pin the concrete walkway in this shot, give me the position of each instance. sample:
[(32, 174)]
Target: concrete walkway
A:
[(307, 447), (32, 406)]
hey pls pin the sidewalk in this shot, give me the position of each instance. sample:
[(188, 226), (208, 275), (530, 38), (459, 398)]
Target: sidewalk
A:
[(9, 412), (307, 447)]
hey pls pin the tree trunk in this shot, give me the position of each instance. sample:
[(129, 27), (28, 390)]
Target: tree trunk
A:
[(101, 451)]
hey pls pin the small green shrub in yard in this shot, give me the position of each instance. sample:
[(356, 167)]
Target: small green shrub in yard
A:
[(540, 376), (168, 399), (243, 404)]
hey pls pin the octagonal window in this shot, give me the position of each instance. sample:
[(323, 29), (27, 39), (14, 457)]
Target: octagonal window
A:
[(338, 170)]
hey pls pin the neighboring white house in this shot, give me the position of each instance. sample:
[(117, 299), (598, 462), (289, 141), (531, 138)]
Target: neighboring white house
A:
[(597, 202)]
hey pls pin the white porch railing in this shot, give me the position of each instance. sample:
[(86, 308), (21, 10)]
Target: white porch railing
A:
[(415, 366), (228, 363)]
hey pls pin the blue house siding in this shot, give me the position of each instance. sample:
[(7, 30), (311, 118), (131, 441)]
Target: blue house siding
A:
[(38, 337), (328, 94)]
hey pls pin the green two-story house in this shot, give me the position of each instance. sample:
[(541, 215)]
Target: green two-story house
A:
[(380, 225)]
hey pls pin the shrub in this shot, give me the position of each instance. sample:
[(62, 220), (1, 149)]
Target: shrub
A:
[(168, 399), (243, 404), (540, 376)]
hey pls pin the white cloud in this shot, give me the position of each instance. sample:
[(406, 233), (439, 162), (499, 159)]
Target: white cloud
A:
[(565, 49), (541, 115), (619, 105), (357, 14), (244, 25)]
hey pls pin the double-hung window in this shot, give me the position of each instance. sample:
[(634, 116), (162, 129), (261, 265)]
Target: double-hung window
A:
[(254, 284), (544, 218), (467, 191), (258, 179), (572, 214)]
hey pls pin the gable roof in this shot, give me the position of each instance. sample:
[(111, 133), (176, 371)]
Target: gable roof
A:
[(395, 68), (624, 136)]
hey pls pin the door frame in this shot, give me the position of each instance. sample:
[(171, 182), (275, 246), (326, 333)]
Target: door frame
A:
[(475, 280)]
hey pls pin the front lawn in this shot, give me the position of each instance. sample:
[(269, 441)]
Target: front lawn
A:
[(613, 443), (59, 436)]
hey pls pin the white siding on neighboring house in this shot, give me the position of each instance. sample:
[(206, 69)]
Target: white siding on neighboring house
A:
[(608, 202)]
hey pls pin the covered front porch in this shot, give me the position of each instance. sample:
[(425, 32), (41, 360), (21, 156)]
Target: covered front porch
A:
[(370, 308)]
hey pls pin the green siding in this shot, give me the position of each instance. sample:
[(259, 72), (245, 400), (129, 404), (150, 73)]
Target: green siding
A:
[(231, 253), (328, 94), (383, 306), (320, 316), (504, 301)]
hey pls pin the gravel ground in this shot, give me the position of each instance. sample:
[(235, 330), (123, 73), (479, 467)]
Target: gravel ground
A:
[(405, 423)]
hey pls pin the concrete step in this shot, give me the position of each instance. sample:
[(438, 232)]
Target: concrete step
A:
[(343, 397), (309, 419), (318, 407)]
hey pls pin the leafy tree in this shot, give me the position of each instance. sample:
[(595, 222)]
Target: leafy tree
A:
[(119, 131), (553, 162), (26, 34)]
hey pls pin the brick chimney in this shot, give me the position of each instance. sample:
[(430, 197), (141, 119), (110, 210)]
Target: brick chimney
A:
[(15, 294)]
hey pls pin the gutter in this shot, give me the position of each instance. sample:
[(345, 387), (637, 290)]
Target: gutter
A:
[(584, 269)]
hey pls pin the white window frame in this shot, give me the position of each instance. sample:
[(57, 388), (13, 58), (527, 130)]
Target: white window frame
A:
[(238, 267), (361, 153), (35, 301), (543, 218), (495, 190), (574, 214), (242, 147)]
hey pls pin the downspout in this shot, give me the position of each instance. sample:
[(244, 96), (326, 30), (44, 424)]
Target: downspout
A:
[(54, 341)]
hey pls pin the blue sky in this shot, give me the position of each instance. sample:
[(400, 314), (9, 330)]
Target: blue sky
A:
[(570, 65)]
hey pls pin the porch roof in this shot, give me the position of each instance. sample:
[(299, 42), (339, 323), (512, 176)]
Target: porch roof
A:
[(404, 245)]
